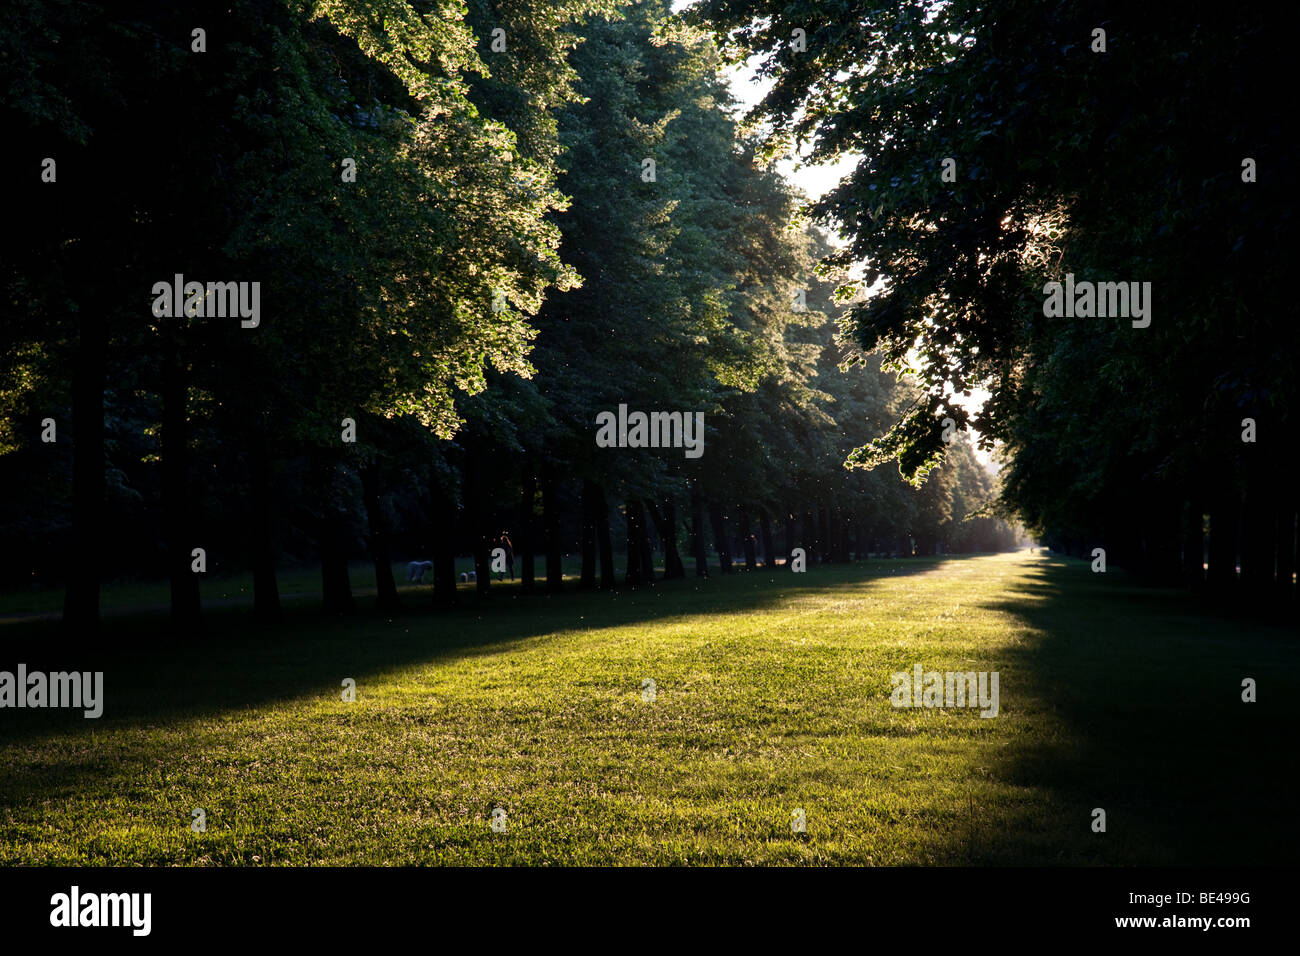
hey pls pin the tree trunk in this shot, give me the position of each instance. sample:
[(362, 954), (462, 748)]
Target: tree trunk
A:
[(824, 542), (840, 528), (635, 571), (551, 531), (1257, 541), (608, 579), (482, 563), (81, 597), (1164, 544), (698, 547), (590, 491), (643, 539), (335, 584), (808, 538), (444, 549), (381, 552), (266, 593), (1223, 545), (1193, 550), (769, 546), (665, 520), (477, 523), (747, 541), (186, 619), (331, 525), (719, 522), (526, 545), (1286, 550)]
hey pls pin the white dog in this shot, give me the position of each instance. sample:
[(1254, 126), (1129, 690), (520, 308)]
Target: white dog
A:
[(415, 570)]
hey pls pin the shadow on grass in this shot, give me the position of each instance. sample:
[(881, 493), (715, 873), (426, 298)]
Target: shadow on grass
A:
[(151, 679), (1148, 688)]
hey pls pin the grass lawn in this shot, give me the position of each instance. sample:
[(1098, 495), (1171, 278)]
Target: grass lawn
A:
[(773, 693)]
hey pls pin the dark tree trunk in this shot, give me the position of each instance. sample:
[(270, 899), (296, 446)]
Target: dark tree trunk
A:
[(1193, 550), (790, 541), (331, 531), (551, 530), (335, 584), (747, 541), (808, 538), (81, 597), (769, 548), (526, 546), (665, 520), (1114, 543), (1164, 545), (590, 493), (186, 620), (719, 522), (673, 565), (1223, 545), (266, 593), (444, 549), (699, 549), (643, 539), (1257, 540), (381, 552), (635, 553), (608, 579), (1285, 536), (840, 536), (824, 542), (476, 520), (482, 564), (1132, 532)]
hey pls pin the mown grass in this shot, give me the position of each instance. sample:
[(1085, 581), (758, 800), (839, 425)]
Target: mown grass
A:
[(772, 694)]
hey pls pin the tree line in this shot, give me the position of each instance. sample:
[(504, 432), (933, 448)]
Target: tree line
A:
[(474, 228)]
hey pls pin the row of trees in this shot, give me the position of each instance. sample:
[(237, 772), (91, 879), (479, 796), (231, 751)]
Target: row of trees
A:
[(1003, 146), (473, 230)]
